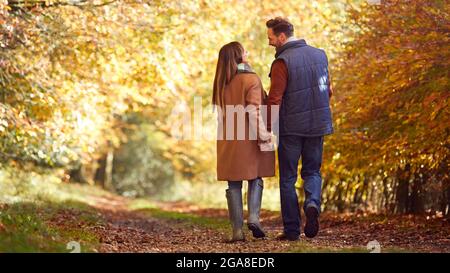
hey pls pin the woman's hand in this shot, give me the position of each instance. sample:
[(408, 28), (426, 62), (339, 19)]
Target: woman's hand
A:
[(266, 146)]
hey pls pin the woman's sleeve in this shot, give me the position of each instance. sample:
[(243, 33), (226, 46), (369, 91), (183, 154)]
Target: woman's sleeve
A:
[(254, 100)]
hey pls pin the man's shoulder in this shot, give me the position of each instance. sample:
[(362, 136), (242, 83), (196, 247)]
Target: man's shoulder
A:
[(315, 52), (279, 64), (317, 49)]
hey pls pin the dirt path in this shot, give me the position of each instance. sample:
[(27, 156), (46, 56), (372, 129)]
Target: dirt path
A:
[(124, 230), (129, 231)]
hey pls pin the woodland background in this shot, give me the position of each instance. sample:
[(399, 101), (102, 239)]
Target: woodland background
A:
[(87, 88)]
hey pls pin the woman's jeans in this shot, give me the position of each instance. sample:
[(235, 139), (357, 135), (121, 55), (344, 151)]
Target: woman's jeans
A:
[(290, 149)]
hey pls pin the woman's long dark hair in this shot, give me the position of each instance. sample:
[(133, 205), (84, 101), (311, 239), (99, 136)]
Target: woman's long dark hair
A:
[(230, 55)]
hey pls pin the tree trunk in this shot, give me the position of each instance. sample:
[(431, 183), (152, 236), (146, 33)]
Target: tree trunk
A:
[(445, 206), (104, 173), (83, 174), (365, 191), (325, 186), (357, 197), (445, 187), (109, 170), (386, 195), (339, 201), (416, 202), (402, 190), (100, 172)]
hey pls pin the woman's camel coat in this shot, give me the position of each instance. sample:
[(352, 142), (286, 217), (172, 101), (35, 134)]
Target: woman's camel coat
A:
[(240, 158)]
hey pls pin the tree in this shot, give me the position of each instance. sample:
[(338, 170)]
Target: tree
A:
[(392, 103)]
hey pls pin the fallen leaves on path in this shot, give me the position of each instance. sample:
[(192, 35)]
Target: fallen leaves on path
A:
[(123, 230)]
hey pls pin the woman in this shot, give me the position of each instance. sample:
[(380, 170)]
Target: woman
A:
[(242, 137)]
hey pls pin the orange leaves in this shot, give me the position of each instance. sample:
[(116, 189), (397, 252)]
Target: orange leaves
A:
[(393, 81), (430, 99)]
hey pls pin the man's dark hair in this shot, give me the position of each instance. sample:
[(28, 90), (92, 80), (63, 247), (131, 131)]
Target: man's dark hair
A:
[(280, 25)]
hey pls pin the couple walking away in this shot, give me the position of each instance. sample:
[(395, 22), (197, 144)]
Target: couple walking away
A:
[(300, 89)]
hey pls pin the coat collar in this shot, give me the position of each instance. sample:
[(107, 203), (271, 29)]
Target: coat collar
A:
[(244, 68), (290, 44)]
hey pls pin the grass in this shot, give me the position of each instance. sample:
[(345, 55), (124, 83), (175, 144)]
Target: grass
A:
[(152, 210), (189, 219), (27, 227), (29, 204)]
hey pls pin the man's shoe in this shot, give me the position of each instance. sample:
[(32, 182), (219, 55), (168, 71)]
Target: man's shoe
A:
[(312, 221), (287, 237)]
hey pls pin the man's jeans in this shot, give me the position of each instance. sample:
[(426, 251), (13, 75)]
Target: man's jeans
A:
[(290, 149)]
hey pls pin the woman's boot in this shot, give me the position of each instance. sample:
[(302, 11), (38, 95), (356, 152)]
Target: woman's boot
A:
[(254, 198), (236, 213)]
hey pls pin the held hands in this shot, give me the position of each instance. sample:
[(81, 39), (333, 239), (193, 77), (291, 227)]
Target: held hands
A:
[(268, 145)]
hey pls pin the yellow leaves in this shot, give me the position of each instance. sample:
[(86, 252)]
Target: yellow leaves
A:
[(336, 156), (3, 125), (4, 6), (433, 115), (120, 50)]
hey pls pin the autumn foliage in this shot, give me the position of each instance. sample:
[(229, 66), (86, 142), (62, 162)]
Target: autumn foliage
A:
[(87, 87)]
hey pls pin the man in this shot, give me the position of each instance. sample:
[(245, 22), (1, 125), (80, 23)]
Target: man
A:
[(300, 85)]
